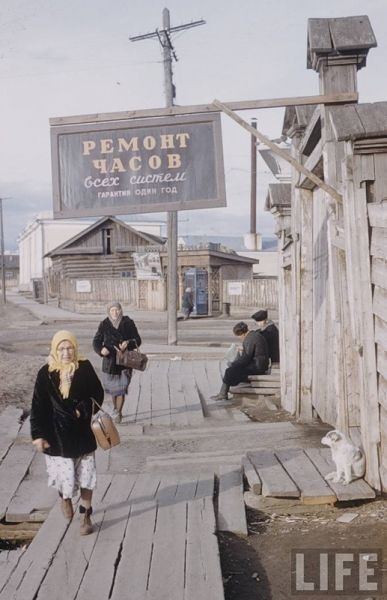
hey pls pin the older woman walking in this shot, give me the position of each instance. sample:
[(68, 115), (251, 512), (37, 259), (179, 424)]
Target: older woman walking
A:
[(61, 412), (116, 331)]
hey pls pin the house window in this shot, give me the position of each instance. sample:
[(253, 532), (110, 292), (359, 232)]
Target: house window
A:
[(106, 241), (127, 274)]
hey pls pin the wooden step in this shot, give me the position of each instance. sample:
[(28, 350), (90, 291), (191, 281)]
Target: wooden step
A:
[(264, 377), (314, 489), (265, 384), (276, 482), (356, 490), (248, 390)]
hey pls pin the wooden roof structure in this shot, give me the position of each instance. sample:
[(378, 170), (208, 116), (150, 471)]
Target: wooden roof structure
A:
[(340, 36), (72, 246), (357, 121), (279, 195)]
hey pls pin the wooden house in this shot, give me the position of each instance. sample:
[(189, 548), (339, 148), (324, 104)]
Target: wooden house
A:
[(333, 251), (97, 266)]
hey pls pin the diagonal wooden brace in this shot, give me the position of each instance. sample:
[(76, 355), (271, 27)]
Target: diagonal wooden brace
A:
[(285, 155)]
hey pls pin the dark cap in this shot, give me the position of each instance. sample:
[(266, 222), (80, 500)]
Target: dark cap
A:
[(261, 315)]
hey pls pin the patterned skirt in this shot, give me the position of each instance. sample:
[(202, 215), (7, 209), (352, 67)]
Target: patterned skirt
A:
[(67, 475), (117, 385)]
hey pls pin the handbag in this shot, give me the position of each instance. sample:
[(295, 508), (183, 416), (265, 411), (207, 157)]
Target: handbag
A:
[(131, 359), (104, 429)]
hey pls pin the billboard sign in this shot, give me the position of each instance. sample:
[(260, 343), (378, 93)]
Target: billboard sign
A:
[(147, 265), (137, 166)]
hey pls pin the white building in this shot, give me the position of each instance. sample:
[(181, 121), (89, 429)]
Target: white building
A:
[(45, 233)]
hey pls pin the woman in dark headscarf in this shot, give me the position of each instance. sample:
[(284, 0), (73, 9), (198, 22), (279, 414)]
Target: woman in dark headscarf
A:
[(61, 412), (116, 331)]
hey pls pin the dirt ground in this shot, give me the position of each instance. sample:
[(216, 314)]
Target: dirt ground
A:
[(259, 566)]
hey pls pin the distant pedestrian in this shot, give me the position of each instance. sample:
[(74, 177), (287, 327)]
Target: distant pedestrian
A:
[(270, 332), (60, 419), (187, 303), (116, 331), (252, 360)]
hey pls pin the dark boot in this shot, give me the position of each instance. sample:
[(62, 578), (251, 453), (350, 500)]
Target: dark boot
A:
[(223, 393), (86, 524)]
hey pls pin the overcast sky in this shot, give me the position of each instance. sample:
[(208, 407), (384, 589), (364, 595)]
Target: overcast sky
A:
[(70, 57)]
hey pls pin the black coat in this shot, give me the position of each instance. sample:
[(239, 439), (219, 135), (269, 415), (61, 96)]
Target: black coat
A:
[(109, 337), (271, 335), (254, 360), (53, 418)]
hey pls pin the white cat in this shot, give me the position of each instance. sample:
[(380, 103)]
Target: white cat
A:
[(348, 458)]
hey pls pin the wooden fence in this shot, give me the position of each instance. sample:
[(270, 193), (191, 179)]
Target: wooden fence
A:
[(253, 293)]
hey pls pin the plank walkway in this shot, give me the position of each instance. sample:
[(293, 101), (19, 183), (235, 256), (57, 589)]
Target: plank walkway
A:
[(177, 393), (297, 473), (154, 539)]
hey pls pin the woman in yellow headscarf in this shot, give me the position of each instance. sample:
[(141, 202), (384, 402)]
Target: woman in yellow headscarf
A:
[(61, 411)]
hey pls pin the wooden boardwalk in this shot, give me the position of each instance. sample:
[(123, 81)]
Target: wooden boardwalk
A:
[(154, 539), (175, 393), (155, 530)]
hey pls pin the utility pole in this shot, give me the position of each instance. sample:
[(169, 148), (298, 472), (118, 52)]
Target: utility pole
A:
[(2, 253), (164, 37), (253, 193)]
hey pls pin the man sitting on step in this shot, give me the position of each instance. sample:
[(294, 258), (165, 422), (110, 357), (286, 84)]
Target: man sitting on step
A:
[(253, 360), (270, 332)]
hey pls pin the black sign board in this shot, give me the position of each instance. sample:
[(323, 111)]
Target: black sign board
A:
[(137, 166)]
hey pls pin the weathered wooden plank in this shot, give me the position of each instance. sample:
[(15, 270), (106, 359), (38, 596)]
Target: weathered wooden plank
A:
[(203, 576), (168, 560), (97, 581), (382, 362), (252, 476), (274, 385), (286, 156), (379, 272), (177, 399), (161, 407), (273, 378), (186, 487), (12, 471), (383, 446), (144, 408), (275, 480), (381, 333), (379, 242), (380, 161), (313, 488), (204, 371), (9, 428), (319, 37), (133, 568), (8, 563), (33, 499), (231, 506), (383, 393), (342, 98), (377, 214), (260, 391), (356, 490), (133, 397), (206, 485), (192, 399), (379, 304), (352, 33), (25, 581), (345, 123)]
